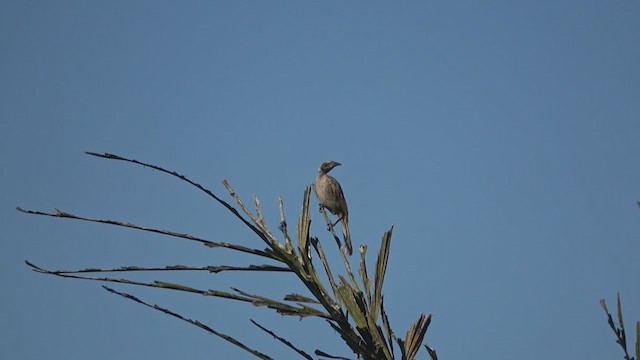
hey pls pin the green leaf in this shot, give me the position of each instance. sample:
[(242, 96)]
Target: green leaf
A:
[(381, 269)]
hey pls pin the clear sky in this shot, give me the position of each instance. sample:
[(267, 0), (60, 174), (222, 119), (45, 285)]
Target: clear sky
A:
[(500, 138)]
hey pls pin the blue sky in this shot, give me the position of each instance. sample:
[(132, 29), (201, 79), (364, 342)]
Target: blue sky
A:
[(499, 138)]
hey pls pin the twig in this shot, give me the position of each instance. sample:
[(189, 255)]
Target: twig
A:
[(192, 322), (283, 340)]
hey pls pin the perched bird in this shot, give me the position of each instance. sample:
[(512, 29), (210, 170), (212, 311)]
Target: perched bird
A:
[(331, 197)]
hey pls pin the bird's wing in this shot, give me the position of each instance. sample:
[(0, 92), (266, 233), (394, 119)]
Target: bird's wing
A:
[(336, 189)]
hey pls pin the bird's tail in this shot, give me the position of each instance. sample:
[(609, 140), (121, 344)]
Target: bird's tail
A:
[(345, 234)]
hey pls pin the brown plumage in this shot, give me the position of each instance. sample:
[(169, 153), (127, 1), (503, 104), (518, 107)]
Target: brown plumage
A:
[(331, 197)]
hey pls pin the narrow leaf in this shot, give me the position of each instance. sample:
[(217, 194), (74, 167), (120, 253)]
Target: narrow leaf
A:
[(300, 298), (364, 276), (381, 269), (415, 335)]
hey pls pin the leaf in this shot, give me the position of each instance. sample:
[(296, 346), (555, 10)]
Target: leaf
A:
[(415, 335), (381, 269)]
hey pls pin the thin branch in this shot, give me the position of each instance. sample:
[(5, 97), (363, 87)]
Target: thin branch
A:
[(324, 354), (283, 227), (155, 284), (186, 179), (282, 340), (208, 243), (211, 269), (192, 322)]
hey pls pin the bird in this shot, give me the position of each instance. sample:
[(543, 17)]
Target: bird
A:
[(330, 196)]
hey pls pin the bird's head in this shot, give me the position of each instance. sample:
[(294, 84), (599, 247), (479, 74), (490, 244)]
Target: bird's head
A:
[(326, 166)]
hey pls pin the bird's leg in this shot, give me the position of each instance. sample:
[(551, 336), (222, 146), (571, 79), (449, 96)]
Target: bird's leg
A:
[(330, 225)]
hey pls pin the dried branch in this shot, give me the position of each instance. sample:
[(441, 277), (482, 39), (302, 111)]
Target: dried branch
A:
[(192, 322), (283, 340), (155, 284), (211, 244), (211, 269), (183, 178), (324, 354)]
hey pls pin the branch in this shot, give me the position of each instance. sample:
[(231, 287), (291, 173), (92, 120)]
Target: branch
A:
[(324, 354), (192, 322), (155, 284), (211, 269), (283, 340), (211, 244), (183, 178)]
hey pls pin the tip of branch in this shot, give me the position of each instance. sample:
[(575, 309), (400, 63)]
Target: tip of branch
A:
[(34, 267), (603, 304), (103, 155)]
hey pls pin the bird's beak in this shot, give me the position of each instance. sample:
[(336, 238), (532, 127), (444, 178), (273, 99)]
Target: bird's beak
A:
[(335, 163)]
